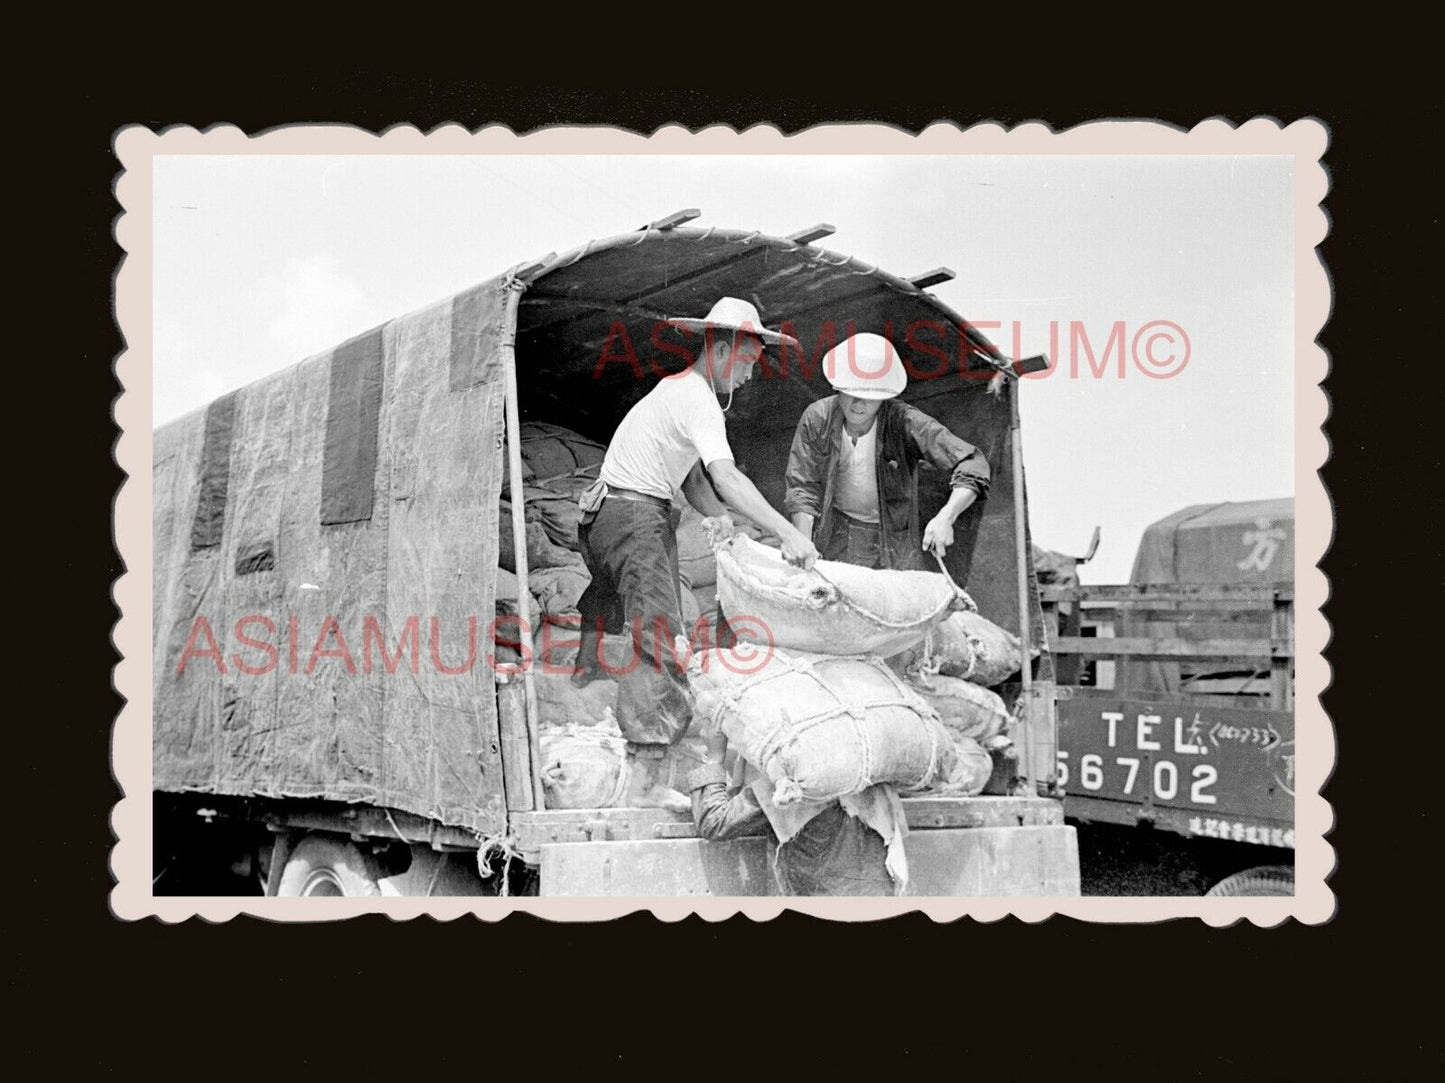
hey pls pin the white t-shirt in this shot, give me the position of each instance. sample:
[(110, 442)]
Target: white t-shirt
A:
[(857, 492), (677, 423)]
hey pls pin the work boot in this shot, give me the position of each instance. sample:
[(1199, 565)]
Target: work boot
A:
[(648, 767)]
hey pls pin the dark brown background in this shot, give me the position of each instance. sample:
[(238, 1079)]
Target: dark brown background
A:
[(1064, 999)]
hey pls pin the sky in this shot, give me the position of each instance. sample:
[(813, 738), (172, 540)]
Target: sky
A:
[(263, 260)]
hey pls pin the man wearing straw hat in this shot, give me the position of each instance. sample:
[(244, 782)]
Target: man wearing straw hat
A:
[(675, 436), (852, 471)]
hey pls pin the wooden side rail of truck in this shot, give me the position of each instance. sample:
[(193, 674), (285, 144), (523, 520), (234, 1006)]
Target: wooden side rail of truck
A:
[(1176, 712)]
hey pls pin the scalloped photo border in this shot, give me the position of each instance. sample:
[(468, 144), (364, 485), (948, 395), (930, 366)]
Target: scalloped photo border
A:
[(1304, 140)]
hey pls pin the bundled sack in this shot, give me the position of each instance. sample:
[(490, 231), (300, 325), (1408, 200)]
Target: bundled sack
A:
[(549, 451), (975, 648), (584, 766), (966, 709), (553, 503), (528, 476), (974, 768), (820, 726), (542, 551), (558, 590), (833, 608)]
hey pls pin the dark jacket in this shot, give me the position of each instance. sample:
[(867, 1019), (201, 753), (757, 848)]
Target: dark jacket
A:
[(906, 437)]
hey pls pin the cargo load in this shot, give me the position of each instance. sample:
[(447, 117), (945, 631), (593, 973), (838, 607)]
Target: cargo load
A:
[(549, 451), (966, 709), (829, 608), (558, 590), (542, 551), (972, 647), (553, 503), (820, 726), (584, 766), (973, 770)]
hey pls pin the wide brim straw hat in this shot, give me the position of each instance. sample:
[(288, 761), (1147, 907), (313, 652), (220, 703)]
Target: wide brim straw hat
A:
[(734, 314)]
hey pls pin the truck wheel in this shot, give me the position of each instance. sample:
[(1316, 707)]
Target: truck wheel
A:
[(1265, 880), (325, 866)]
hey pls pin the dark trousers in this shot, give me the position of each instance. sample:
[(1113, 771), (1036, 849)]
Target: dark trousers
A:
[(630, 548), (835, 854), (853, 542)]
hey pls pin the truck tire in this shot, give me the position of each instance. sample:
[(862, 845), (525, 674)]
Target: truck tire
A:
[(321, 865), (1267, 880)]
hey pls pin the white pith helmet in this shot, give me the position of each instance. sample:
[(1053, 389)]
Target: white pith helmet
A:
[(866, 366)]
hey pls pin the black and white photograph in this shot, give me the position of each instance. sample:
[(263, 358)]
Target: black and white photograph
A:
[(674, 523)]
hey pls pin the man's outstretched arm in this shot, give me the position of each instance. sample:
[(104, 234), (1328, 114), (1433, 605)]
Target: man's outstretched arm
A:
[(719, 816), (739, 492)]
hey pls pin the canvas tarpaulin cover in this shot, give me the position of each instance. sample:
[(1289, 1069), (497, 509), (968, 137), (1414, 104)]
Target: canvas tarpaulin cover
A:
[(1237, 543), (324, 540)]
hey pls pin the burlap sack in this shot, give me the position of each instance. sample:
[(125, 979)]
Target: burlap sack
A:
[(974, 648), (973, 768), (820, 726), (967, 709), (583, 766), (834, 608)]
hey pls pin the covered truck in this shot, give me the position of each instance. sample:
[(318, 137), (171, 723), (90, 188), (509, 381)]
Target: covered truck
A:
[(334, 712), (1177, 705)]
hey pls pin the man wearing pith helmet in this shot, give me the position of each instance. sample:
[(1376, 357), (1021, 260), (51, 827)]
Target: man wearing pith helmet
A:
[(674, 437), (854, 462)]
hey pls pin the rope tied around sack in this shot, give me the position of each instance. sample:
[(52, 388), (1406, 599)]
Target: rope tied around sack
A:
[(930, 665)]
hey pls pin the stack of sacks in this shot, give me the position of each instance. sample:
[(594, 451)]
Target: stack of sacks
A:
[(823, 726), (977, 719), (549, 451), (864, 719), (964, 707), (542, 551), (963, 658), (584, 765), (557, 464)]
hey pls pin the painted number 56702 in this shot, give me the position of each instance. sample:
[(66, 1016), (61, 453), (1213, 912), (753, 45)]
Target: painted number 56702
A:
[(1123, 777)]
